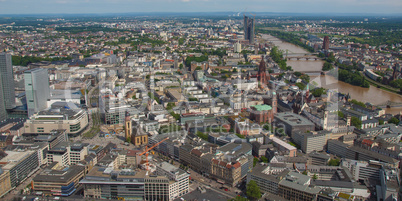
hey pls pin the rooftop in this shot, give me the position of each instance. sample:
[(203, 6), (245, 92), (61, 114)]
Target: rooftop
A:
[(293, 119), (64, 175), (14, 157), (299, 182), (262, 107)]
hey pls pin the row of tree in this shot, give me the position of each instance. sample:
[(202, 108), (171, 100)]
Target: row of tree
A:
[(196, 59), (353, 78), (277, 56)]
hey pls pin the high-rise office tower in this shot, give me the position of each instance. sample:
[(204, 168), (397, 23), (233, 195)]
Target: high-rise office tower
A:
[(7, 80), (36, 89), (325, 44), (249, 29), (3, 113)]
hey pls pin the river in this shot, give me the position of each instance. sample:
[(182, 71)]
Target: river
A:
[(373, 95)]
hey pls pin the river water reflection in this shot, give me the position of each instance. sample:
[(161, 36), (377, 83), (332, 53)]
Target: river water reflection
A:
[(373, 95)]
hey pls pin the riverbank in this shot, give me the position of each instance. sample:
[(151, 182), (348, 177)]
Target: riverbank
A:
[(373, 94), (381, 86), (288, 37)]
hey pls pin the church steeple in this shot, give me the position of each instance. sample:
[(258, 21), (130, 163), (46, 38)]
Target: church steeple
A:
[(262, 74)]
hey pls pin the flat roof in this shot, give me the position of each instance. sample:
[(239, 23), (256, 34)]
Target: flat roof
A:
[(293, 119), (58, 175), (299, 182), (282, 143), (14, 157)]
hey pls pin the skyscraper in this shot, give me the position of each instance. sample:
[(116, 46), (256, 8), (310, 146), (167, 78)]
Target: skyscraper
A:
[(325, 44), (7, 80), (36, 89), (3, 113), (249, 29)]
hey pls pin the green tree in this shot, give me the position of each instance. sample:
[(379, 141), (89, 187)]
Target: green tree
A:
[(170, 106), (354, 121), (202, 135), (321, 55), (327, 66), (264, 159), (196, 59), (255, 161), (174, 115), (181, 41), (394, 120), (340, 114), (396, 83), (253, 191), (301, 85), (192, 99), (305, 77), (331, 57), (297, 74), (358, 103), (381, 122), (240, 135), (317, 92), (277, 56), (239, 198), (181, 66), (334, 162), (315, 176)]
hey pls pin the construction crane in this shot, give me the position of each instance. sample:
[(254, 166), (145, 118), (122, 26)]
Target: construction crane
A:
[(253, 15), (149, 149)]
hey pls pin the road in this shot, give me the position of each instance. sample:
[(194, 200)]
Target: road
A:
[(213, 185), (16, 191), (90, 93)]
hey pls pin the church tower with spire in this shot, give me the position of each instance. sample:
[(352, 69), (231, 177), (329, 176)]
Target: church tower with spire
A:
[(262, 75), (274, 103), (128, 126)]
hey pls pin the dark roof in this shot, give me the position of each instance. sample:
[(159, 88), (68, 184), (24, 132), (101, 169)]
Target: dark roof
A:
[(58, 176)]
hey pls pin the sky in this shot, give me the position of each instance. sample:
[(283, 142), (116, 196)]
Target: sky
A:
[(133, 6)]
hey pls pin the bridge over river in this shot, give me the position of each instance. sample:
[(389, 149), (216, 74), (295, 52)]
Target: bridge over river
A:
[(389, 104)]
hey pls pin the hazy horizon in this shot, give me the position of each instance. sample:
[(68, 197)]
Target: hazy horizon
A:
[(57, 7)]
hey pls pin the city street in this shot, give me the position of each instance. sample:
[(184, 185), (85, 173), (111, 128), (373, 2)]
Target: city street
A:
[(213, 185), (16, 191)]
